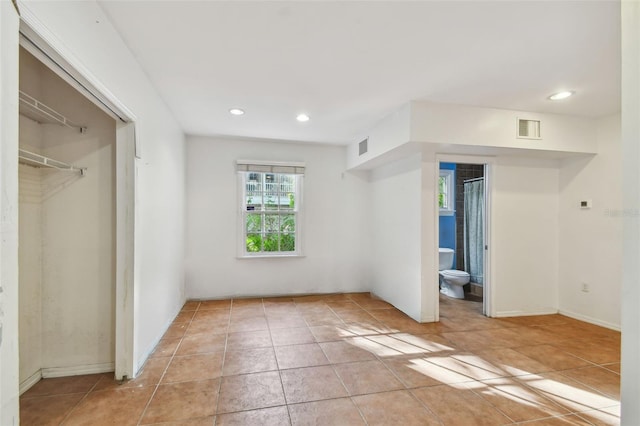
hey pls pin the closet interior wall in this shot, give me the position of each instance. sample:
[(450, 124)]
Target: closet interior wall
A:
[(66, 235)]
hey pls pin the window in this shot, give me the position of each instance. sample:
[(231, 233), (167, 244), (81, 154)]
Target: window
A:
[(270, 209), (446, 193)]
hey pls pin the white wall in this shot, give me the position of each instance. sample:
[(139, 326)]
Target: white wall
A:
[(630, 373), (430, 281), (591, 240), (524, 236), (30, 256), (389, 133), (458, 129), (335, 221), (396, 232), (491, 127), (30, 238), (9, 402), (99, 51)]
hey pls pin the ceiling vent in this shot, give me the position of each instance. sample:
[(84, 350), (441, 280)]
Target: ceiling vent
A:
[(363, 147), (528, 129)]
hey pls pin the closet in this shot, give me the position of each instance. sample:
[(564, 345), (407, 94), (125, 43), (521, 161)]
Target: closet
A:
[(67, 188)]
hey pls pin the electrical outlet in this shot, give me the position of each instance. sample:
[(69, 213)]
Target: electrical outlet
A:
[(585, 288)]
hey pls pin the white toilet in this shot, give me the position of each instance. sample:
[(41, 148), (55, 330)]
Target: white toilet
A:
[(451, 280)]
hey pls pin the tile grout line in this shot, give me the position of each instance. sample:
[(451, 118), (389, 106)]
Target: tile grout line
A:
[(164, 372), (273, 348), (224, 357), (85, 396)]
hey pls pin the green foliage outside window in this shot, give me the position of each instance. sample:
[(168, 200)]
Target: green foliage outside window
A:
[(271, 222), (442, 191)]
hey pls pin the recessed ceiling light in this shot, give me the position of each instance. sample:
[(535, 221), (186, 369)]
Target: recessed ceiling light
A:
[(302, 117), (561, 95), (236, 111)]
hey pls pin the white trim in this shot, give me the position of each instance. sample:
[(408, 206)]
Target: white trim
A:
[(489, 286), (277, 255), (271, 163), (590, 320), (28, 383), (126, 175), (77, 370), (507, 314), (48, 48)]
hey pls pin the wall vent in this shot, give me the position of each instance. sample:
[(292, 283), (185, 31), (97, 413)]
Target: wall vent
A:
[(363, 147), (528, 129)]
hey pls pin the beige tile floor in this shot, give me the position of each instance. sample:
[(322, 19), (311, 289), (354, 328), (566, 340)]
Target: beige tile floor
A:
[(350, 360)]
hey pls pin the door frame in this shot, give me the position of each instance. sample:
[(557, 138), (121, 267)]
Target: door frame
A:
[(47, 48), (489, 288)]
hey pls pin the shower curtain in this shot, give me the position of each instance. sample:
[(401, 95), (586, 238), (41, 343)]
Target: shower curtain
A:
[(474, 230)]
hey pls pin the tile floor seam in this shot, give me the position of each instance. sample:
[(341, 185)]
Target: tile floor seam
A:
[(284, 395), (585, 384), (425, 405), (166, 368), (66, 417), (543, 395), (224, 357), (495, 407), (422, 403)]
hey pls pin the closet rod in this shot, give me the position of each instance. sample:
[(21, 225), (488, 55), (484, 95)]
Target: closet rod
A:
[(473, 180), (31, 158), (44, 111)]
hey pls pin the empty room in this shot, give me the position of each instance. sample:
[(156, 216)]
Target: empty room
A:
[(319, 213)]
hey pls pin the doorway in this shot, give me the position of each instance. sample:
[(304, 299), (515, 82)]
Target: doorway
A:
[(463, 195)]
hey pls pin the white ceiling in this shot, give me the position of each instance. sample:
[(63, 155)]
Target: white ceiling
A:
[(348, 64)]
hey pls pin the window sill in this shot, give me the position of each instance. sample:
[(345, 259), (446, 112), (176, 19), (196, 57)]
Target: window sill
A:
[(270, 256), (447, 212)]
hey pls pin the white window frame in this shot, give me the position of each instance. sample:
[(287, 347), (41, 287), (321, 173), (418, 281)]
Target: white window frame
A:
[(449, 195), (244, 168)]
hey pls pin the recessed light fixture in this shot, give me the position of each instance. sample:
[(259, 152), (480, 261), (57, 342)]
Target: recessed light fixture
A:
[(561, 95), (302, 117), (236, 111)]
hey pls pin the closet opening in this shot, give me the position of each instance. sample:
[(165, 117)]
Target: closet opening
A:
[(67, 229)]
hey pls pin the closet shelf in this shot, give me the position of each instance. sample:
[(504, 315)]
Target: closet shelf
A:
[(37, 160), (34, 109)]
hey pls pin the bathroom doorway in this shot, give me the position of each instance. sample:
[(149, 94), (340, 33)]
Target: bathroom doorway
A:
[(463, 249)]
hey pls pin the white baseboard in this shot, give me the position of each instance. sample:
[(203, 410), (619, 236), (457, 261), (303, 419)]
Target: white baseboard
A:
[(77, 370), (505, 314), (26, 384), (590, 320)]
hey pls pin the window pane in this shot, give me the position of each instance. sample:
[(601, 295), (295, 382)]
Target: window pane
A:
[(288, 224), (271, 199), (254, 243), (287, 201), (254, 191), (271, 222), (271, 242), (254, 223), (287, 242)]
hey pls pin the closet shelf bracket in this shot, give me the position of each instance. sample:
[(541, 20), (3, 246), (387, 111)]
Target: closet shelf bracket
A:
[(36, 110), (37, 160)]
